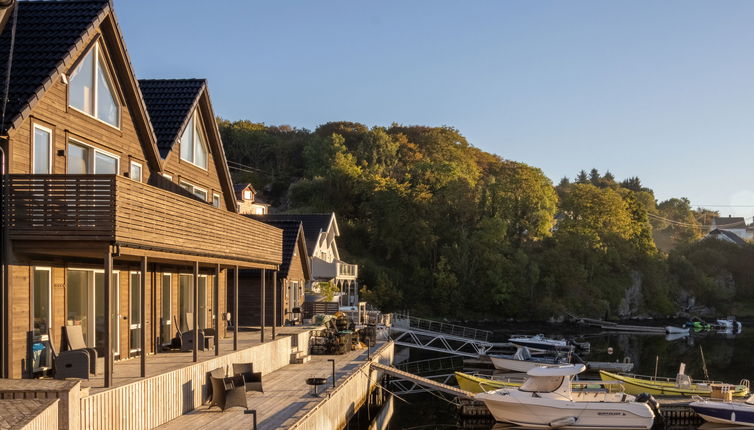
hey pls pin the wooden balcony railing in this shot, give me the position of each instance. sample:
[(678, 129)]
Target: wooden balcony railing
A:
[(117, 209)]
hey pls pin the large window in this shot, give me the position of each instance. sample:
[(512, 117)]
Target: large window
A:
[(84, 159), (41, 318), (91, 90), (135, 311), (42, 161), (193, 147)]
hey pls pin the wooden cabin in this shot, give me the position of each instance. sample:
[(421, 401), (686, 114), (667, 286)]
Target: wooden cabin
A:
[(286, 292), (121, 216)]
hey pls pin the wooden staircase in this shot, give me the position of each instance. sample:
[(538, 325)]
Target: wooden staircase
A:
[(299, 357)]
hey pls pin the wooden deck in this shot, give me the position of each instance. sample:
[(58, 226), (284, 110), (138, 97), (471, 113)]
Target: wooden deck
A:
[(128, 371), (286, 400), (31, 414)]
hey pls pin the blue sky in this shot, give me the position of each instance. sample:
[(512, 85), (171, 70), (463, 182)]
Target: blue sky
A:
[(660, 90)]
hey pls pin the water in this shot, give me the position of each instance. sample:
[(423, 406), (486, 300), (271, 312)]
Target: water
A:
[(728, 358)]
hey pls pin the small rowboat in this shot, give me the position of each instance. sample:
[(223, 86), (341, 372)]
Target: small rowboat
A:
[(636, 384), (479, 384)]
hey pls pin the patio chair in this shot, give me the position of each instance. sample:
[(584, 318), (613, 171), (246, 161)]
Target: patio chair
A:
[(226, 392), (75, 339), (69, 364), (207, 336), (252, 380), (186, 338)]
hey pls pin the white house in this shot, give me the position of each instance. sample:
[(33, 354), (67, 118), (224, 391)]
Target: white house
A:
[(735, 225)]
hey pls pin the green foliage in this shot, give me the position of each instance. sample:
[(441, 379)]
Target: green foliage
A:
[(445, 229)]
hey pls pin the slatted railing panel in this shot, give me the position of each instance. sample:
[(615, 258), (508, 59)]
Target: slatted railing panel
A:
[(115, 208), (149, 215), (61, 205)]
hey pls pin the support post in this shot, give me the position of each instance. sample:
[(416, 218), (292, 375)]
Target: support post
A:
[(108, 287), (262, 304), (196, 311), (235, 310), (143, 311), (274, 302), (216, 304)]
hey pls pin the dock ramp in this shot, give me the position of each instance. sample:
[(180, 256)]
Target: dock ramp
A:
[(439, 336), (424, 382)]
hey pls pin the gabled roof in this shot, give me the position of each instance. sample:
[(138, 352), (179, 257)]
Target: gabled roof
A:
[(49, 35), (293, 232), (726, 235), (313, 224), (239, 188), (170, 103), (728, 222)]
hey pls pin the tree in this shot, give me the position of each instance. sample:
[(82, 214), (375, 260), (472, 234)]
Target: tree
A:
[(581, 178)]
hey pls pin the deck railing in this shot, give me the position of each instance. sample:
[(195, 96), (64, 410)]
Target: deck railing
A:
[(345, 269), (117, 209), (410, 322)]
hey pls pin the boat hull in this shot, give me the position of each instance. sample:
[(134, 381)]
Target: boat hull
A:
[(523, 366), (548, 413), (476, 384), (725, 413), (638, 386)]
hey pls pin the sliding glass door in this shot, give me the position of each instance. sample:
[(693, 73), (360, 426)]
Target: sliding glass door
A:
[(166, 329), (185, 299), (41, 317), (86, 307), (202, 301), (135, 312)]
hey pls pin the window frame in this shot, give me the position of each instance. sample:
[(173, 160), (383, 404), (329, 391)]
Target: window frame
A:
[(131, 171), (91, 158), (216, 198), (96, 49), (197, 130), (194, 188), (36, 126)]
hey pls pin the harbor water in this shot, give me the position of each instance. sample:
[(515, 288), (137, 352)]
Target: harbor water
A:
[(727, 357)]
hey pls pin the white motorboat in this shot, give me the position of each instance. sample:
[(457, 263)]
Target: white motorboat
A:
[(540, 343), (729, 325), (546, 400), (522, 360), (736, 413)]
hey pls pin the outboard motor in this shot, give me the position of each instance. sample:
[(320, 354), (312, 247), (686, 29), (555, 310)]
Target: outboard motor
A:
[(655, 406)]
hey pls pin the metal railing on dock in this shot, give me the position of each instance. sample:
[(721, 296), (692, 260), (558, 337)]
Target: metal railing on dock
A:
[(429, 365), (406, 321)]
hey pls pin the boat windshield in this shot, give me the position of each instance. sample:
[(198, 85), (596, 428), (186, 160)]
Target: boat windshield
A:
[(542, 384)]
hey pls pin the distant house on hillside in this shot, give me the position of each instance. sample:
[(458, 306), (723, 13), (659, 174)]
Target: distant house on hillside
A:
[(321, 231), (725, 235), (248, 202), (735, 225)]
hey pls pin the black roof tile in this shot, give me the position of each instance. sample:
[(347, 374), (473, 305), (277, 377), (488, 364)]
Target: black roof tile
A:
[(169, 103), (46, 31), (313, 224), (290, 236)]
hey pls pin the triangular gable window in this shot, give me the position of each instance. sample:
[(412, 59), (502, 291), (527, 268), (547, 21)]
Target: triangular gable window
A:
[(193, 147), (90, 88)]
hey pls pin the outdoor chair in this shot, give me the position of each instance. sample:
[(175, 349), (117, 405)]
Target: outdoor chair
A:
[(186, 338), (208, 334), (69, 364), (226, 392), (252, 380), (75, 340)]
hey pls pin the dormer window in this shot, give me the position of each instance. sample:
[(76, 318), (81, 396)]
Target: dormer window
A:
[(91, 89), (247, 194), (193, 147)]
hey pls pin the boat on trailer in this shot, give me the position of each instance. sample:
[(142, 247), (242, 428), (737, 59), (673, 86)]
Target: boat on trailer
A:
[(546, 400), (522, 360), (735, 413)]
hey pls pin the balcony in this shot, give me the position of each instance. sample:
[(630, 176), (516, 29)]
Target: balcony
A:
[(121, 211), (337, 270)]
